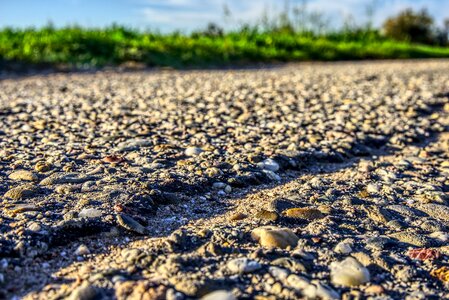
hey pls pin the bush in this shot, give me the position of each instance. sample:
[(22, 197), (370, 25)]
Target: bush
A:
[(410, 26)]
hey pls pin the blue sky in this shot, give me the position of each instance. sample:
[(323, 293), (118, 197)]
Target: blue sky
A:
[(187, 15)]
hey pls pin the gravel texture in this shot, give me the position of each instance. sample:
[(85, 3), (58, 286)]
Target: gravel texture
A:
[(319, 181)]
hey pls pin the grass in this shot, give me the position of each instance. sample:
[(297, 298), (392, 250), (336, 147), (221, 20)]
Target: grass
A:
[(80, 48)]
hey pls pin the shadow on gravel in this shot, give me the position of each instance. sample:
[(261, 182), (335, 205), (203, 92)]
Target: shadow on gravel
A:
[(14, 70)]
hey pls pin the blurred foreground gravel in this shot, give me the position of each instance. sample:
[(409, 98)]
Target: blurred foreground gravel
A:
[(319, 181)]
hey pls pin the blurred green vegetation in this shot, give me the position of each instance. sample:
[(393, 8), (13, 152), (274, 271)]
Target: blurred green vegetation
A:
[(80, 48), (294, 35)]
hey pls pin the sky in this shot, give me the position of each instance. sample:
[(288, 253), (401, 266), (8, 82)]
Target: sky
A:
[(188, 15)]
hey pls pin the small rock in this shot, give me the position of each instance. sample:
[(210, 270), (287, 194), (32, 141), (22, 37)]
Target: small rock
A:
[(23, 175), (213, 172), (278, 273), (373, 188), (129, 223), (269, 164), (243, 265), (218, 185), (343, 248), (193, 151), (306, 213), (320, 291), (275, 237), (228, 189), (297, 282), (42, 167), (84, 292), (113, 159), (20, 192), (34, 226), (375, 289), (273, 176), (363, 258), (82, 250), (325, 292), (289, 263), (61, 178), (90, 213), (264, 214), (219, 295), (349, 272)]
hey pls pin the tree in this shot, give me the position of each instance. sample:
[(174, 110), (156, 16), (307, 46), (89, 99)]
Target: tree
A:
[(442, 35), (410, 26)]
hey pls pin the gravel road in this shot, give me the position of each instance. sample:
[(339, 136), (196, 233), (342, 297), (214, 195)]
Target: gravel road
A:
[(318, 181)]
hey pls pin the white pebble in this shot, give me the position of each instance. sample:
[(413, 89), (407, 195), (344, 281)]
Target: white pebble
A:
[(82, 250), (269, 164), (343, 248), (219, 295), (90, 213), (193, 151), (349, 272), (243, 265)]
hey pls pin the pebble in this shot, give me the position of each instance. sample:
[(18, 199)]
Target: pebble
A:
[(34, 226), (306, 213), (276, 237), (278, 273), (290, 264), (349, 272), (113, 159), (375, 289), (243, 265), (273, 176), (84, 292), (62, 178), (297, 282), (130, 224), (193, 151), (320, 291), (373, 188), (42, 167), (90, 213), (219, 295), (82, 250), (343, 248), (23, 175), (20, 192), (269, 164), (267, 215)]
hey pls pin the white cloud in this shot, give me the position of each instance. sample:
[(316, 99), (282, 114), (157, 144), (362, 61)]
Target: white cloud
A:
[(193, 14)]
